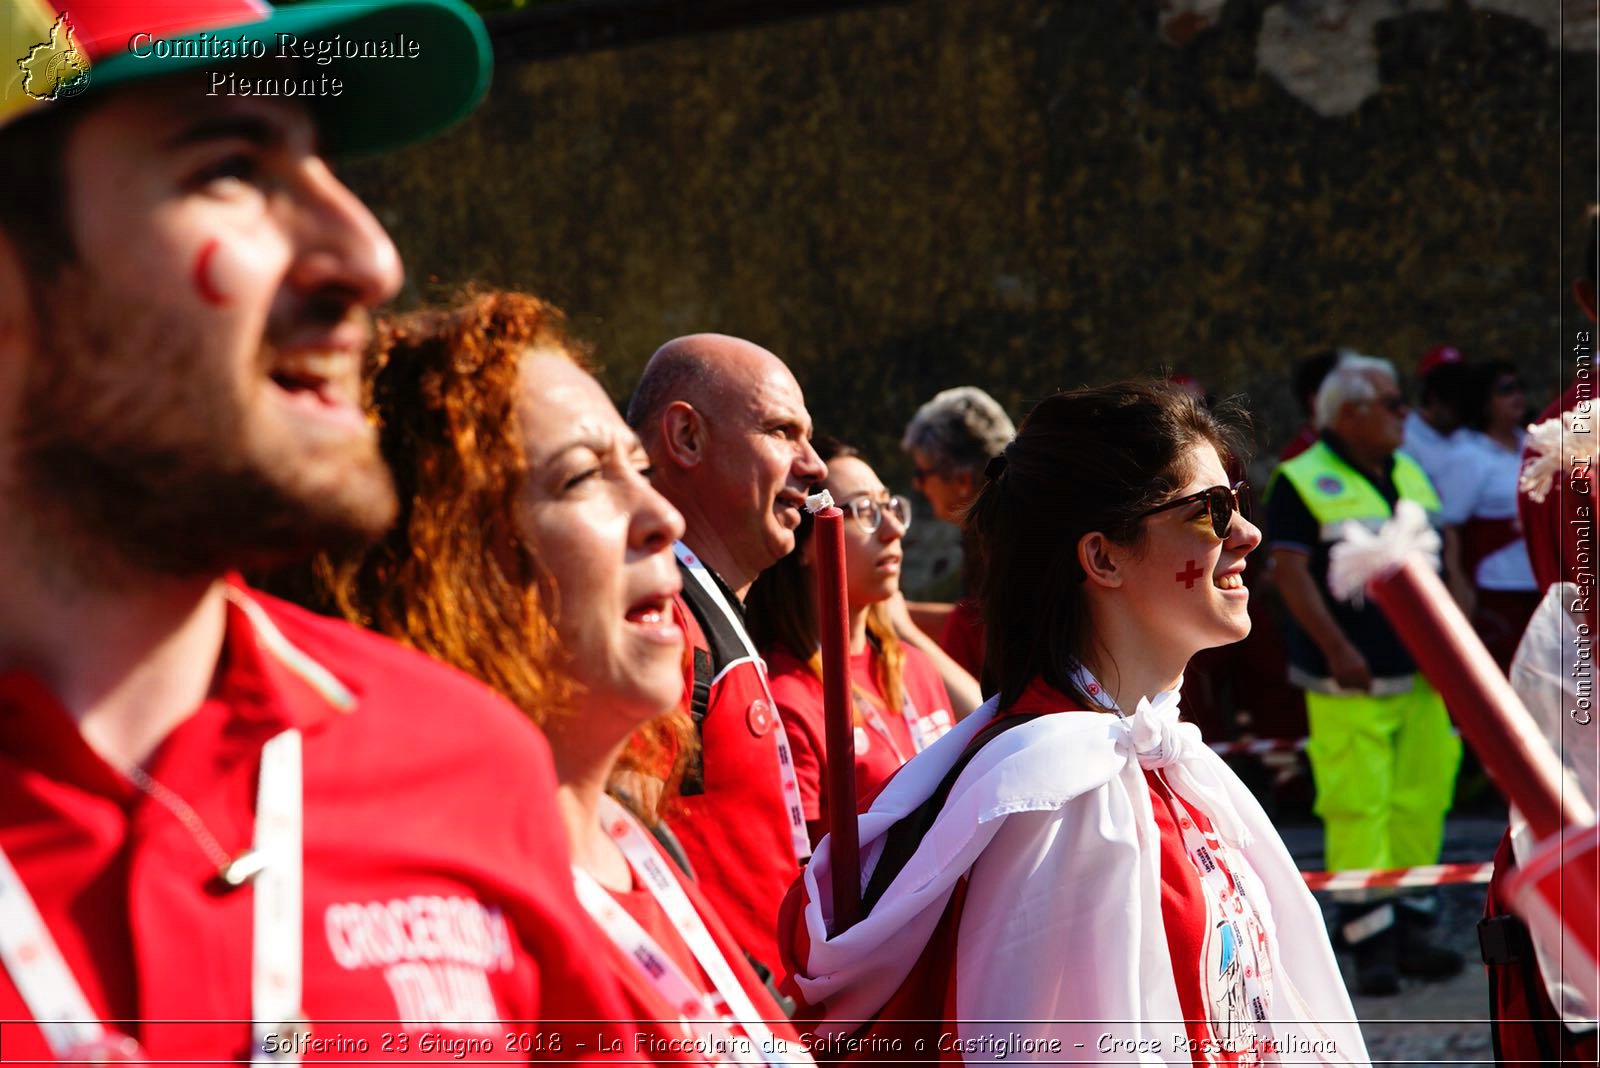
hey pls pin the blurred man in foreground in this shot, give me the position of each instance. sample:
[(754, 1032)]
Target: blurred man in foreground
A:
[(215, 808)]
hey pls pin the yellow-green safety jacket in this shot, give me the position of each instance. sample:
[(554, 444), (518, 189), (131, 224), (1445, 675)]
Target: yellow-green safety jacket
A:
[(1334, 492)]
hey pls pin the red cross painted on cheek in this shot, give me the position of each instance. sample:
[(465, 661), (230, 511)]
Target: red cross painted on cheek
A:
[(1188, 577)]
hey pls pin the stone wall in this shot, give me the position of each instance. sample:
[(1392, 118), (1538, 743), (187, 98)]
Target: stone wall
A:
[(1028, 195)]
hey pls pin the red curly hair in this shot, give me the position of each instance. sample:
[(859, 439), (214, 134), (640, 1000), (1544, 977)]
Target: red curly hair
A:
[(456, 577)]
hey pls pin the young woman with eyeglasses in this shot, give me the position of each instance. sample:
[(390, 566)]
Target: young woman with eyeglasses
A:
[(1071, 873), (901, 705)]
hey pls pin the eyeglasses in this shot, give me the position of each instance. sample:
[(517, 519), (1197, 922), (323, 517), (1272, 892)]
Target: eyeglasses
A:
[(868, 512), (1507, 386), (1220, 501)]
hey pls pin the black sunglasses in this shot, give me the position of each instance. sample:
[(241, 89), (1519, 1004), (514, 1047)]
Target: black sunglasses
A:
[(1220, 501)]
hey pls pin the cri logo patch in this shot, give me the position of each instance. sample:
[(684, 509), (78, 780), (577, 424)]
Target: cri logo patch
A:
[(55, 69)]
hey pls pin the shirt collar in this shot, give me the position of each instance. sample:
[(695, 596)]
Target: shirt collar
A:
[(286, 683), (734, 604), (262, 679), (1039, 698)]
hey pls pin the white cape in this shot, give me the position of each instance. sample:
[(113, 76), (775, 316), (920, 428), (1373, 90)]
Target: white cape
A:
[(1061, 933)]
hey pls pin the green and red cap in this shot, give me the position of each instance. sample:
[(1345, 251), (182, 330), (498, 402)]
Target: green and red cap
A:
[(54, 51)]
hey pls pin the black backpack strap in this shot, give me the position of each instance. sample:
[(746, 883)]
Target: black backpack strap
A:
[(722, 633), (908, 832), (694, 776), (1505, 943), (722, 648)]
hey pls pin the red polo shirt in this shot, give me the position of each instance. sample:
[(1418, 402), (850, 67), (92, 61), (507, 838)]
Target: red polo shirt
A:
[(798, 692), (1185, 917), (437, 886), (964, 638)]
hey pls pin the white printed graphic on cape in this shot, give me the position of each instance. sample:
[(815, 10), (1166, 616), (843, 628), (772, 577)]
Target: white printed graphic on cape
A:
[(1238, 972)]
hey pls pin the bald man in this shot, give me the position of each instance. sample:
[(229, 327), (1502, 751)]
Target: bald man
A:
[(729, 437)]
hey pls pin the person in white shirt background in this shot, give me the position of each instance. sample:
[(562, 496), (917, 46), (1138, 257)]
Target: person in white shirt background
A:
[(1434, 435), (1433, 427), (1493, 555)]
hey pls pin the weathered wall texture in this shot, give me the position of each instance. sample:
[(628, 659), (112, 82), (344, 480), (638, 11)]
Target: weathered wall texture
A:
[(1027, 195)]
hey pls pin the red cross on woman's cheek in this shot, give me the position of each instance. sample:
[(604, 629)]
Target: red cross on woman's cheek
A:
[(1188, 577)]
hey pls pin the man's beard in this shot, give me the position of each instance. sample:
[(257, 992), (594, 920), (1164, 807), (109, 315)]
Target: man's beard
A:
[(136, 451)]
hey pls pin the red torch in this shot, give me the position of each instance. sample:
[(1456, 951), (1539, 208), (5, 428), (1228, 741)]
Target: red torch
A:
[(833, 628), (1394, 568)]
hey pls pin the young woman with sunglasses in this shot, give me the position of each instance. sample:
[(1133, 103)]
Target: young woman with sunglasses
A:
[(1071, 873), (900, 703), (533, 553)]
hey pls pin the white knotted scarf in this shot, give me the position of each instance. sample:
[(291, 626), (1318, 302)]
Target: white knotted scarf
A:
[(1062, 938), (1161, 741)]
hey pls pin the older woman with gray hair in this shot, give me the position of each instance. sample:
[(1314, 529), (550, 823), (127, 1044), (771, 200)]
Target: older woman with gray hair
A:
[(950, 440)]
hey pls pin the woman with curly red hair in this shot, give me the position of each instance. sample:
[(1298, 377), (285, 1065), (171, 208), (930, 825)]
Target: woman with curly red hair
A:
[(532, 553)]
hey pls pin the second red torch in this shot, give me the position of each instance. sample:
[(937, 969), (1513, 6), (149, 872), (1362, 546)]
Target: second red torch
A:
[(833, 627)]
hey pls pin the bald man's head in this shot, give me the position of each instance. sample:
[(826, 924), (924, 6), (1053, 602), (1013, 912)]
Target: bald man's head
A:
[(729, 436), (696, 369)]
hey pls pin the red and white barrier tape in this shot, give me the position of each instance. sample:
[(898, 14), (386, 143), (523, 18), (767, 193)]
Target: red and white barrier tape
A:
[(1363, 878), (1259, 746), (1422, 875)]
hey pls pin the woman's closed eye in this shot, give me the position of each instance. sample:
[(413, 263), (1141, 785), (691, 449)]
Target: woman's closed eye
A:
[(580, 478)]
